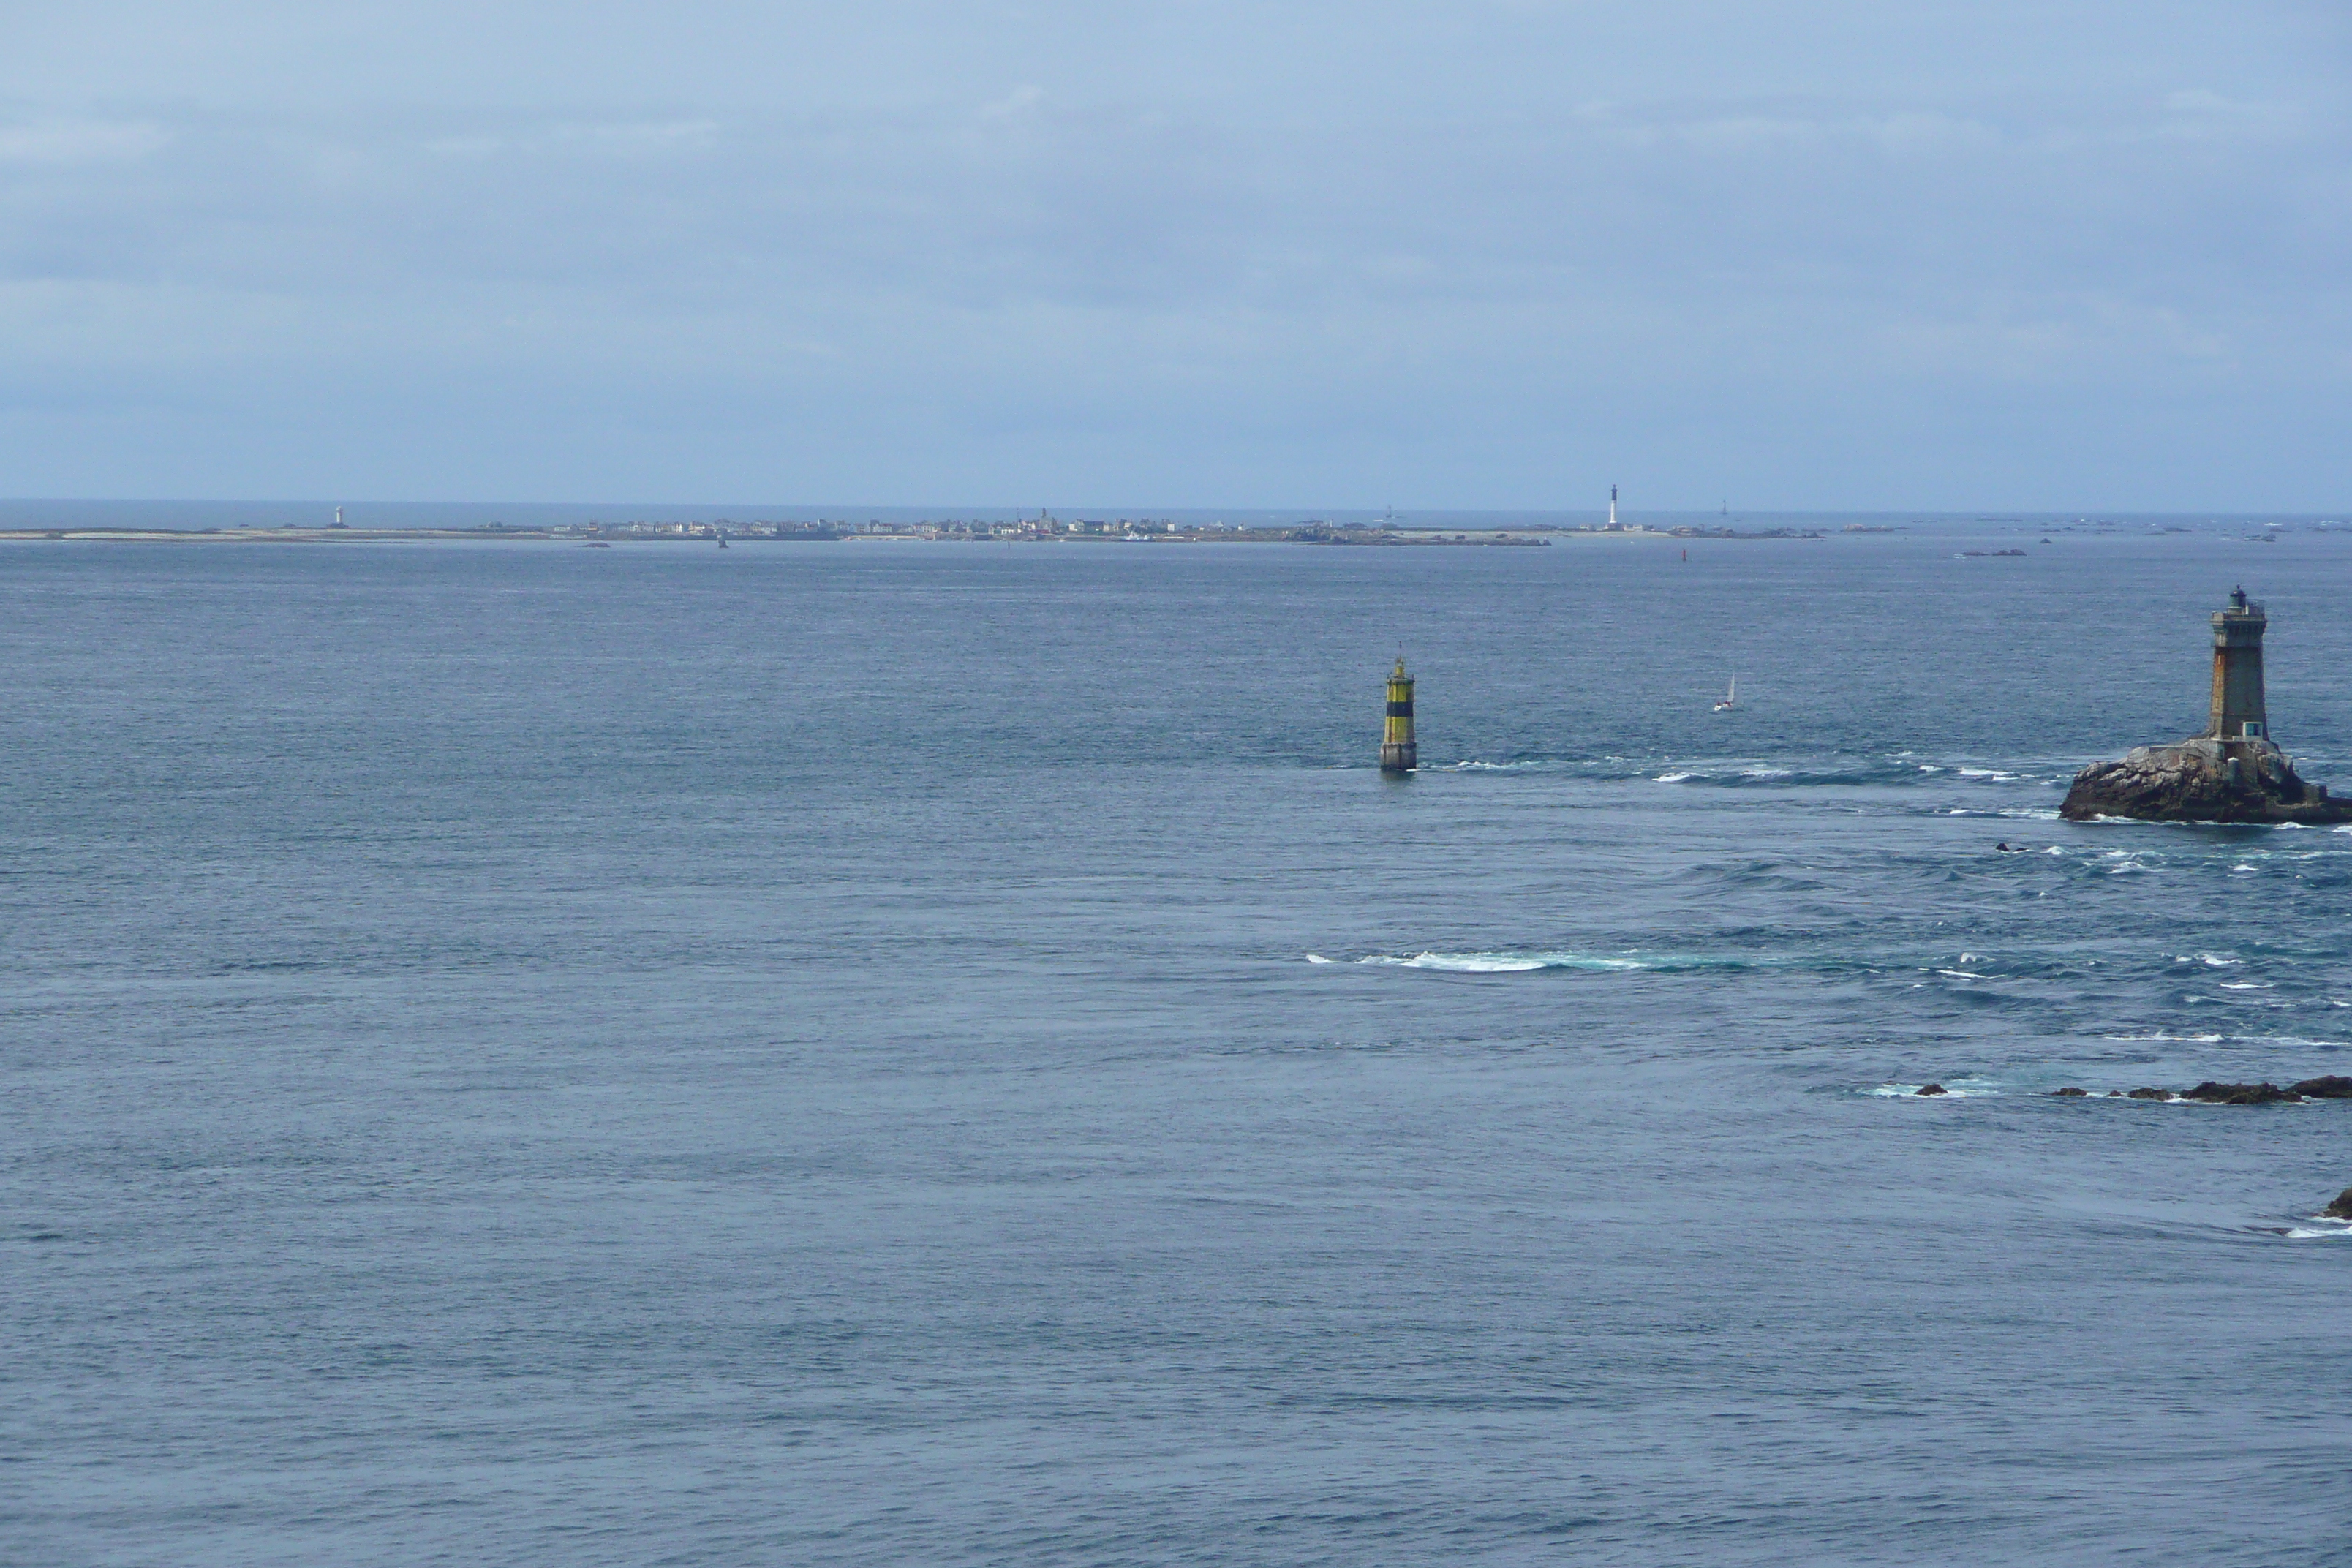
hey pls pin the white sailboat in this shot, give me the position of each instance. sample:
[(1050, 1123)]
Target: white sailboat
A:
[(1730, 698)]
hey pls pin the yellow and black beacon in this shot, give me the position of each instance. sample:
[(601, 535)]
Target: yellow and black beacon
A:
[(1399, 755)]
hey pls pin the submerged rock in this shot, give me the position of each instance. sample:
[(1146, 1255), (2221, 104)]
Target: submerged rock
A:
[(2071, 1092), (1931, 1088), (2334, 1086), (2342, 1208), (2215, 1093), (2202, 779)]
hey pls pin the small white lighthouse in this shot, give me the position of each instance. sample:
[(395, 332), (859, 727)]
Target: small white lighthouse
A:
[(1612, 508)]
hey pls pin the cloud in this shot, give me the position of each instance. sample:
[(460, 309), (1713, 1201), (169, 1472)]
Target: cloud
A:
[(1020, 100), (65, 143), (2202, 115), (1247, 252), (624, 139), (638, 136)]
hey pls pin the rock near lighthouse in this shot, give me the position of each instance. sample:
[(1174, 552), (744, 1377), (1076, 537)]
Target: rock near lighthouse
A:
[(2232, 772)]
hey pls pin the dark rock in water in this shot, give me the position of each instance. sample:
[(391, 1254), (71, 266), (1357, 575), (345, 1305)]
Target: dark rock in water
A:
[(1932, 1089), (2202, 781), (2071, 1092), (2342, 1208), (2213, 1093), (2151, 1094), (2114, 1094), (2334, 1086)]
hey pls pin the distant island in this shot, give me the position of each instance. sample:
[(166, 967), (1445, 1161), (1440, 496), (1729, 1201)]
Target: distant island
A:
[(1042, 529)]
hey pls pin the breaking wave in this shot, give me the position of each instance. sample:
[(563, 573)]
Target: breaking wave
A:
[(1503, 962), (1524, 961), (1967, 1087)]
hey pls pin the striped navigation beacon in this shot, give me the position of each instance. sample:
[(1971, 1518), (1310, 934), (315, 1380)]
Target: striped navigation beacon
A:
[(1397, 754)]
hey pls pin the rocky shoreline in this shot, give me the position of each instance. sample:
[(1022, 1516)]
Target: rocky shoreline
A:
[(2201, 780), (2212, 1091)]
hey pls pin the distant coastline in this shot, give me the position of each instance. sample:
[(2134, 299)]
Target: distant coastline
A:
[(1043, 530)]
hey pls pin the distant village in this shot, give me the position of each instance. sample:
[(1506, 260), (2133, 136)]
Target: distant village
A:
[(1045, 528), (1049, 528)]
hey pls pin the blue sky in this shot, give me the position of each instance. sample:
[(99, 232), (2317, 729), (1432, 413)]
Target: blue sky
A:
[(1491, 252)]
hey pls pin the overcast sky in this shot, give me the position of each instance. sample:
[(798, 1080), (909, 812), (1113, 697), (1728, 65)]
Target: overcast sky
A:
[(1484, 253)]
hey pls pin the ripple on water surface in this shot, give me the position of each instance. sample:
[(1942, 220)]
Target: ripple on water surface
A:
[(798, 1055)]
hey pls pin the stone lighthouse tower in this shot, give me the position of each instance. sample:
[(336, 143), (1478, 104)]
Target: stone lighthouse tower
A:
[(2237, 712), (2232, 772)]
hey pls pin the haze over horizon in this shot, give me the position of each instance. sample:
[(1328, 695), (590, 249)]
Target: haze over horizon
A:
[(1495, 256)]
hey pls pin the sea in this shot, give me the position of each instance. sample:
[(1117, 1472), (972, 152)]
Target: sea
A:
[(871, 1053)]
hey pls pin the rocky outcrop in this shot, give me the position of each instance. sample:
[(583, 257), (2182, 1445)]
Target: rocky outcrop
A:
[(2342, 1208), (1931, 1089), (2213, 1092), (2202, 781)]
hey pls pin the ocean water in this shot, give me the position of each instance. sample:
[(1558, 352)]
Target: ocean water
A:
[(952, 1054)]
